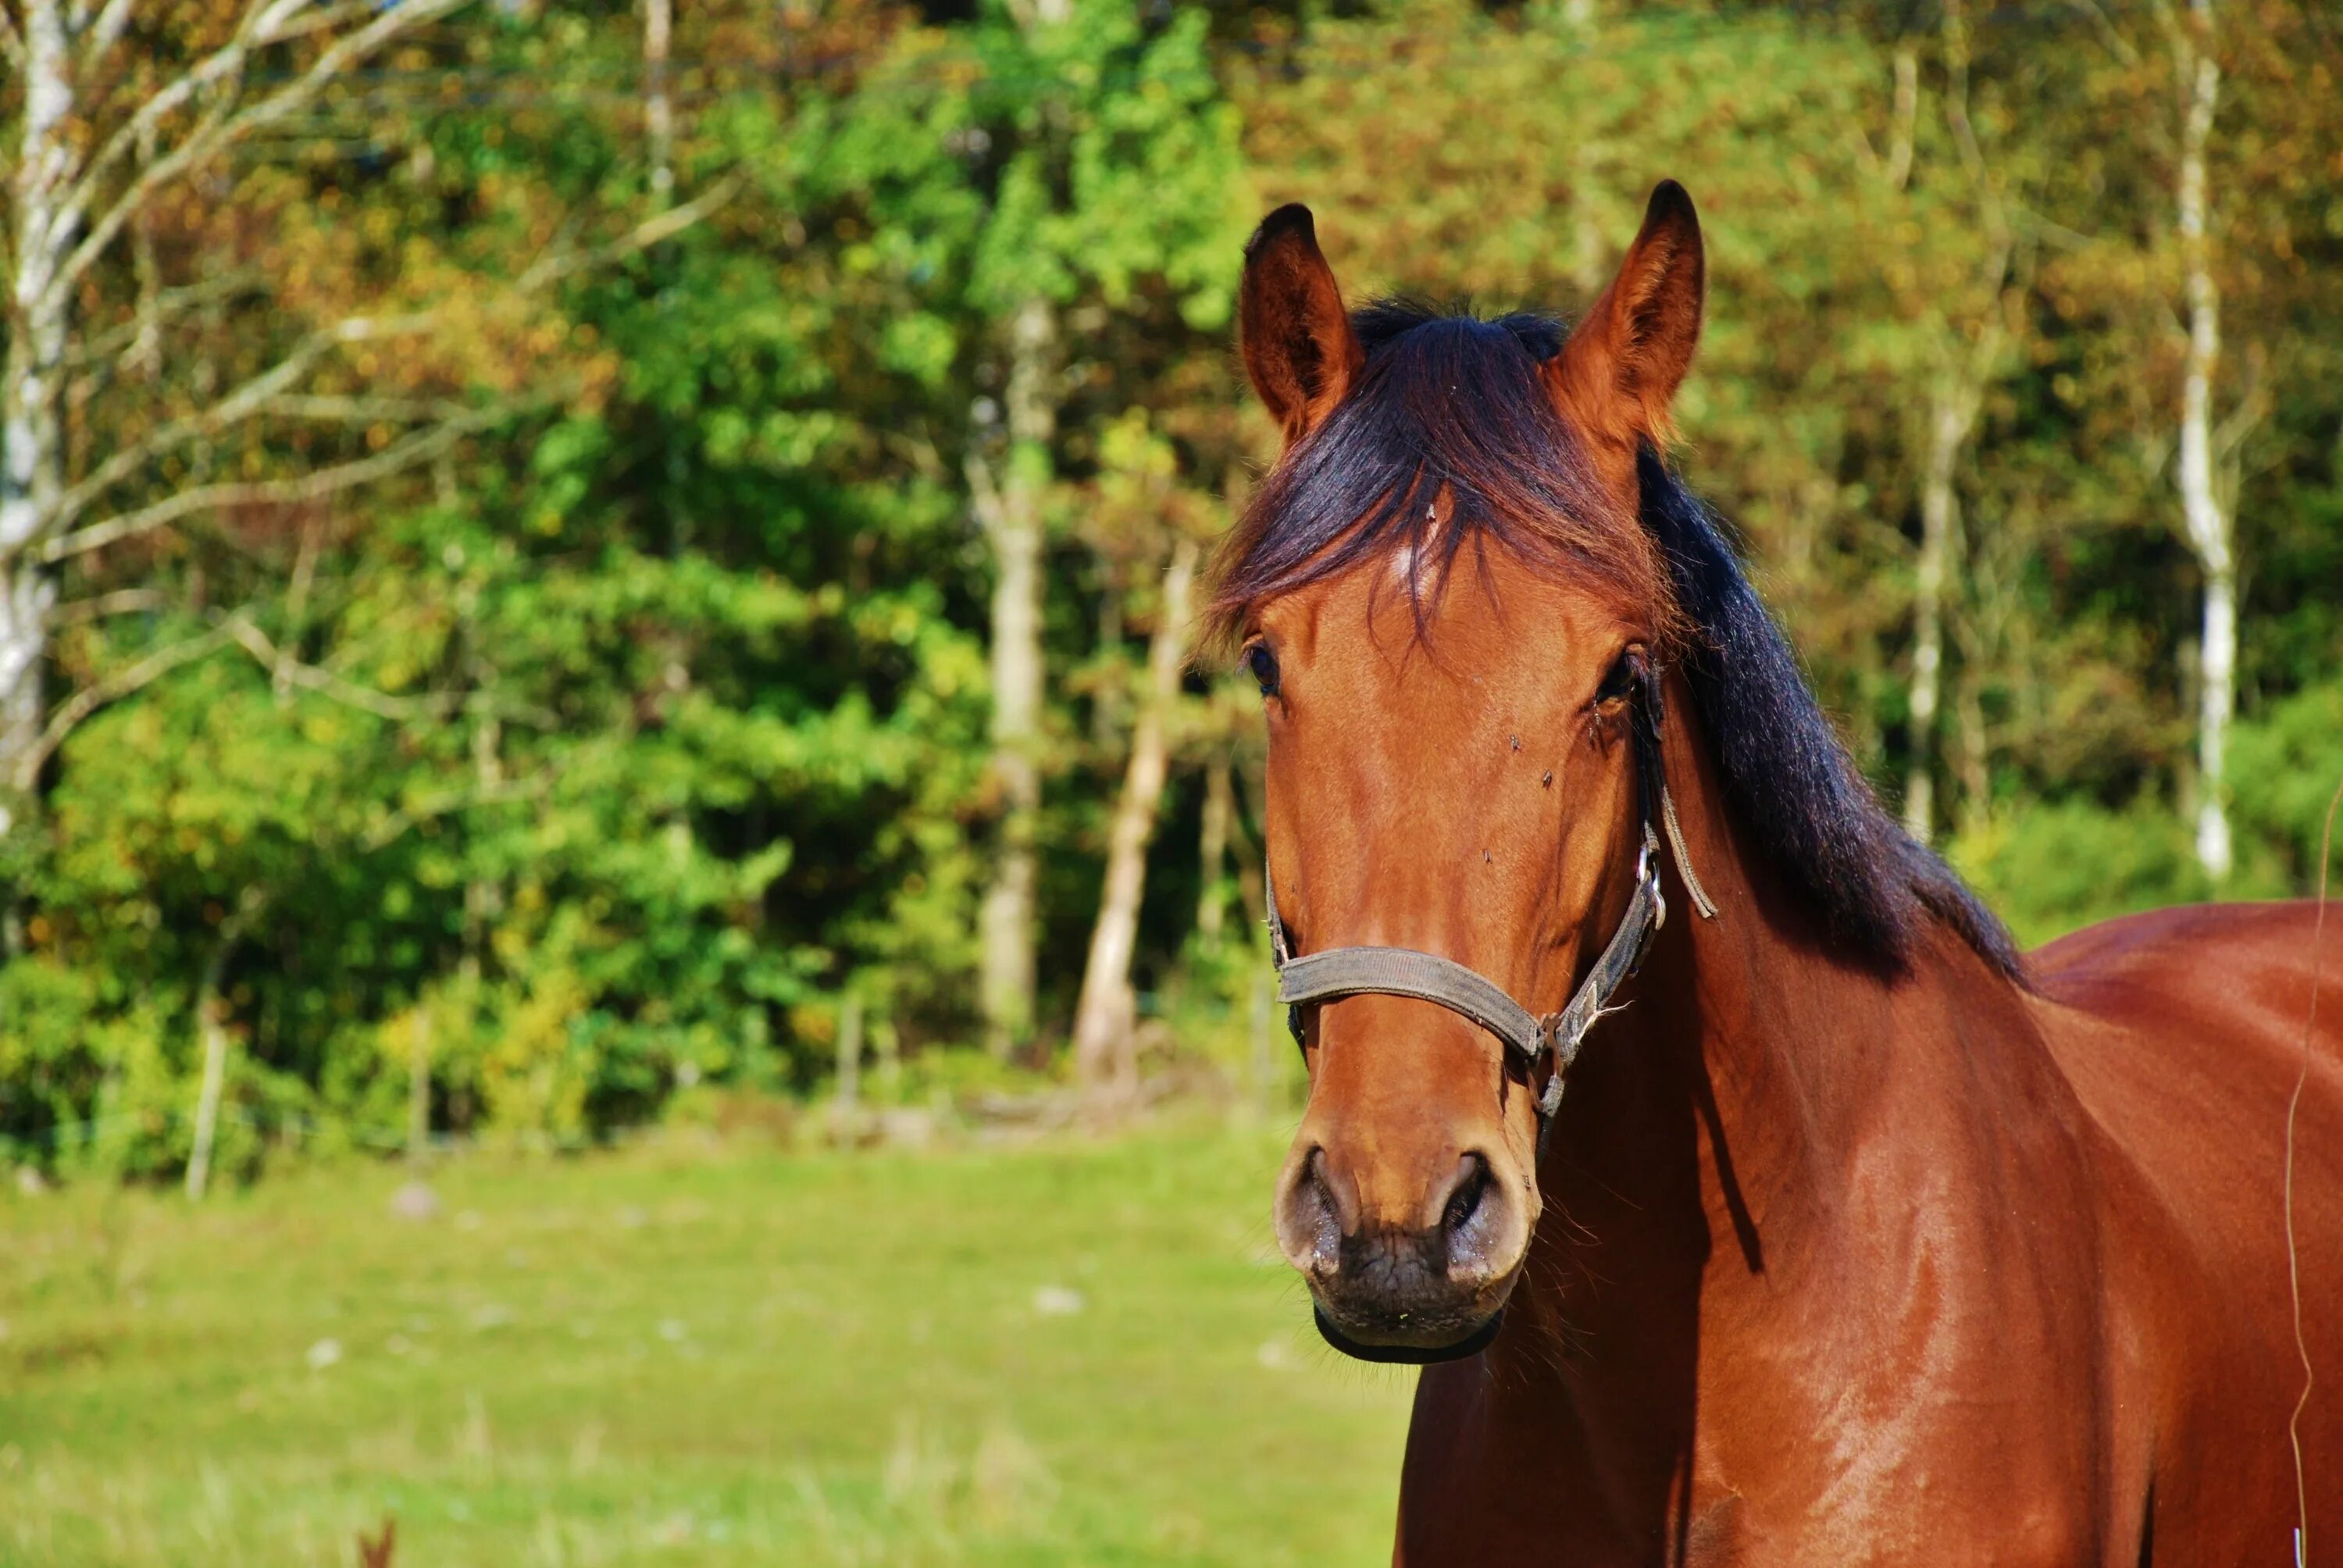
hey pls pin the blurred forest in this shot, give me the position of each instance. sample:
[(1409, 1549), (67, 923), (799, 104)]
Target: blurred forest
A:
[(559, 562)]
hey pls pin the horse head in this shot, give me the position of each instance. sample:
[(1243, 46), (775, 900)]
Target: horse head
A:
[(1456, 621)]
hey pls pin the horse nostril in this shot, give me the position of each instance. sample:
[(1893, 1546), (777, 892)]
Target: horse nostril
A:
[(1477, 1226), (1467, 1195), (1310, 1218), (1464, 1200)]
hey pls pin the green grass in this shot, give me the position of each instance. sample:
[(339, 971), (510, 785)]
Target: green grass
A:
[(684, 1356)]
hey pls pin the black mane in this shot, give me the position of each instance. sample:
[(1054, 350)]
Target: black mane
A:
[(1454, 406), (1794, 790)]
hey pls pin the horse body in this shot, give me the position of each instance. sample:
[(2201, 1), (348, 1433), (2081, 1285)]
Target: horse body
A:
[(1966, 1274), (1855, 1236), (2184, 1033)]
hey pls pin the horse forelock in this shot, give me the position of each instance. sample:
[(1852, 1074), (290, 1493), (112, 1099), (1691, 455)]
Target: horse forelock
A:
[(1449, 440)]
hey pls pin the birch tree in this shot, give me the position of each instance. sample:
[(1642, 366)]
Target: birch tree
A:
[(1009, 508), (1107, 1010), (211, 1008), (2204, 516), (1147, 517), (1968, 350), (96, 150), (1218, 817), (659, 108), (1118, 164)]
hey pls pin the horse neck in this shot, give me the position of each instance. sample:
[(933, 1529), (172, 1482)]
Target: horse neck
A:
[(1706, 1131)]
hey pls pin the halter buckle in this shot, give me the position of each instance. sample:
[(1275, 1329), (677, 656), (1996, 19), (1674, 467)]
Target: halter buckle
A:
[(1647, 876)]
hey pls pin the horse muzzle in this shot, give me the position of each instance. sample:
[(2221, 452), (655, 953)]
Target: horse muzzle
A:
[(1404, 1293)]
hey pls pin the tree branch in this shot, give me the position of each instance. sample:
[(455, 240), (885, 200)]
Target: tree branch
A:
[(268, 22), (984, 494), (291, 671), (223, 65), (106, 33), (1902, 134), (642, 237), (239, 629), (341, 410), (113, 689), (1964, 136), (168, 303), (2120, 45), (122, 601), (285, 668), (251, 398), (269, 392), (2042, 228), (318, 21), (2253, 403), (496, 794), (418, 447)]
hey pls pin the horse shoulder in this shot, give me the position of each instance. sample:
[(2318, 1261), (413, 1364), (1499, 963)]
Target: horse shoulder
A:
[(2184, 1029)]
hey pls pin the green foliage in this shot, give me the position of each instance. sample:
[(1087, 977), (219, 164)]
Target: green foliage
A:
[(1120, 161), (2288, 767), (595, 764), (2048, 867)]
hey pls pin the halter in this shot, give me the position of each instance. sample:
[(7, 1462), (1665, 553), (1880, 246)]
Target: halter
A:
[(1555, 1037)]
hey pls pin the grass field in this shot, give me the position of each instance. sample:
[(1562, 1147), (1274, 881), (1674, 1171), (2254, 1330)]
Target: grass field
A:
[(1071, 1352)]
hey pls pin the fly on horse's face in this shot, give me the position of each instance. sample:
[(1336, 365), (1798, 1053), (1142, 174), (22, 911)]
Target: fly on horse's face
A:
[(1449, 605)]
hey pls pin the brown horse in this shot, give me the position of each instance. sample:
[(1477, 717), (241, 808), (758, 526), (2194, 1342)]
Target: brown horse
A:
[(1856, 1236)]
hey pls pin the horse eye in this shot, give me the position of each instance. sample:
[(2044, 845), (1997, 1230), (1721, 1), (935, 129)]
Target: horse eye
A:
[(1626, 674), (1263, 665)]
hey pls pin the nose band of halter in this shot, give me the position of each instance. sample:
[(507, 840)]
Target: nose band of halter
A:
[(1339, 972)]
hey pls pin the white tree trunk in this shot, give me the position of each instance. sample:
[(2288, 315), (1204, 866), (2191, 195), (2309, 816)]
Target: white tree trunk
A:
[(1974, 766), (1970, 360), (846, 1119), (849, 1054), (1012, 513), (1591, 260), (2209, 527), (1104, 1060), (210, 1018), (26, 595), (32, 433), (2216, 702), (1904, 119), (658, 109), (1950, 414)]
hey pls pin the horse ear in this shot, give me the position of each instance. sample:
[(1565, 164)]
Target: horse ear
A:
[(1619, 372), (1298, 342)]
